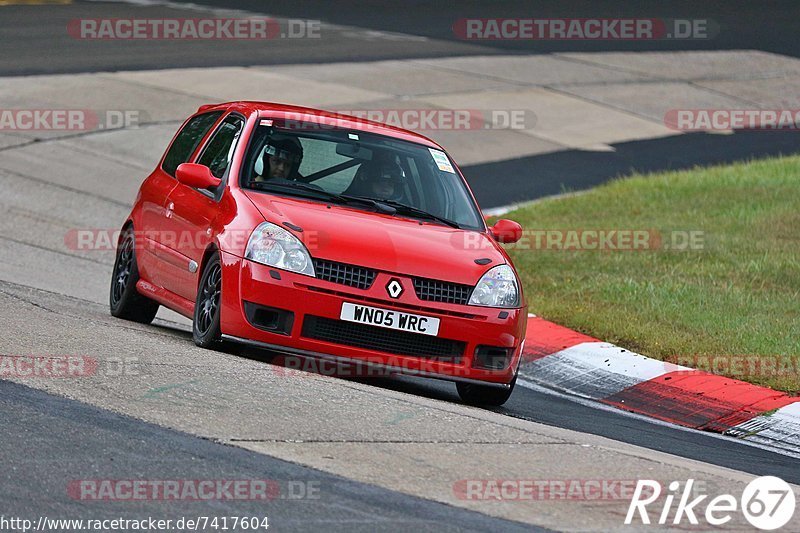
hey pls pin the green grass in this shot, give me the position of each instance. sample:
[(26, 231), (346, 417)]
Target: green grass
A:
[(737, 297)]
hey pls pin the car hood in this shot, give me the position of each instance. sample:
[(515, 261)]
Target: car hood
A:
[(389, 243)]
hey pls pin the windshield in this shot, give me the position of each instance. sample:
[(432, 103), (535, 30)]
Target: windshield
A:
[(415, 179)]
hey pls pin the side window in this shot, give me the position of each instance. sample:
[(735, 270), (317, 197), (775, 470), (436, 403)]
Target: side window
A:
[(187, 140), (219, 150)]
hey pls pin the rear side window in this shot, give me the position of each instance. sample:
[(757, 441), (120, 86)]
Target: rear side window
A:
[(187, 140), (219, 150)]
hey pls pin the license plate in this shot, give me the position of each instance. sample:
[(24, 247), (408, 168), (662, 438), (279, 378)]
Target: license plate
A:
[(386, 318)]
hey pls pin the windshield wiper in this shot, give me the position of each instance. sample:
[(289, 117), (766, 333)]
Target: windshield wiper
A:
[(339, 198), (380, 205), (417, 212), (287, 184)]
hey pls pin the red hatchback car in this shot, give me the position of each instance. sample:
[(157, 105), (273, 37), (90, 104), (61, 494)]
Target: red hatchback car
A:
[(323, 235)]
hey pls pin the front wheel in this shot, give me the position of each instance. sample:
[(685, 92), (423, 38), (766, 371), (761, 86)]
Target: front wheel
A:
[(205, 327), (485, 395), (124, 301)]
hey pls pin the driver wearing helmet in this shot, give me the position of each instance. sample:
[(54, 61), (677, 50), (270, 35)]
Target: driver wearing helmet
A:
[(382, 180), (281, 159)]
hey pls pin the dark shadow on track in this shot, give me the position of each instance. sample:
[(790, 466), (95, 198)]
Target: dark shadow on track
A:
[(742, 25), (528, 178), (36, 41)]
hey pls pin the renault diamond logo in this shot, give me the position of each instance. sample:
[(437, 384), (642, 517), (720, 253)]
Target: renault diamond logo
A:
[(394, 288)]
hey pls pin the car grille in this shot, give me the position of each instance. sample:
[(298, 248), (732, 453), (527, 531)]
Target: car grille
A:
[(350, 275), (442, 291), (382, 339)]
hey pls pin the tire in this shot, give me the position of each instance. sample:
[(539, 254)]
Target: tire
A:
[(124, 300), (485, 395), (205, 324)]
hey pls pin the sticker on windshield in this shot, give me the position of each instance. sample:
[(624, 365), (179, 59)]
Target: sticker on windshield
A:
[(441, 161)]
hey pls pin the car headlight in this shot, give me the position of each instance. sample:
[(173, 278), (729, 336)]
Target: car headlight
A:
[(272, 245), (497, 288)]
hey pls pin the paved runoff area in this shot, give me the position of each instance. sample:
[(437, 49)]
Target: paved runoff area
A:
[(143, 403)]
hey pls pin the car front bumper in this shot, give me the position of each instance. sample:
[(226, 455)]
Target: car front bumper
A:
[(310, 299)]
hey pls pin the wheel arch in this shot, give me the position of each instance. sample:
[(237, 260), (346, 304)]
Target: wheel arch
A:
[(125, 227), (209, 251)]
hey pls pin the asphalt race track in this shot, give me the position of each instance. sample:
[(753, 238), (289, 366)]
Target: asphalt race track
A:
[(355, 428), (72, 435), (345, 454)]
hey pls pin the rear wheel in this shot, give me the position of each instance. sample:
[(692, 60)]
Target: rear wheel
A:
[(485, 395), (205, 329), (124, 300)]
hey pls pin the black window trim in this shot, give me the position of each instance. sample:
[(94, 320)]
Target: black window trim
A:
[(194, 150), (198, 152)]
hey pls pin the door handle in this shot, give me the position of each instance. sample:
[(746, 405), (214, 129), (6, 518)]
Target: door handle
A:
[(170, 209)]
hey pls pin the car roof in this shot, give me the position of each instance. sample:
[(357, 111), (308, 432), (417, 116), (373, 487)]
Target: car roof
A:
[(327, 118)]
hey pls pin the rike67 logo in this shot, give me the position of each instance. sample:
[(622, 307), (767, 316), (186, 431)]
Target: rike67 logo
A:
[(767, 503)]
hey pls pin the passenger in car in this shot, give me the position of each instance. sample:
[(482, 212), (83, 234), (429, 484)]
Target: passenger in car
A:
[(381, 180)]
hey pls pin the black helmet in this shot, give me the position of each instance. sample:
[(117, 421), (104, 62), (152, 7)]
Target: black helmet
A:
[(288, 148), (372, 173), (382, 170)]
